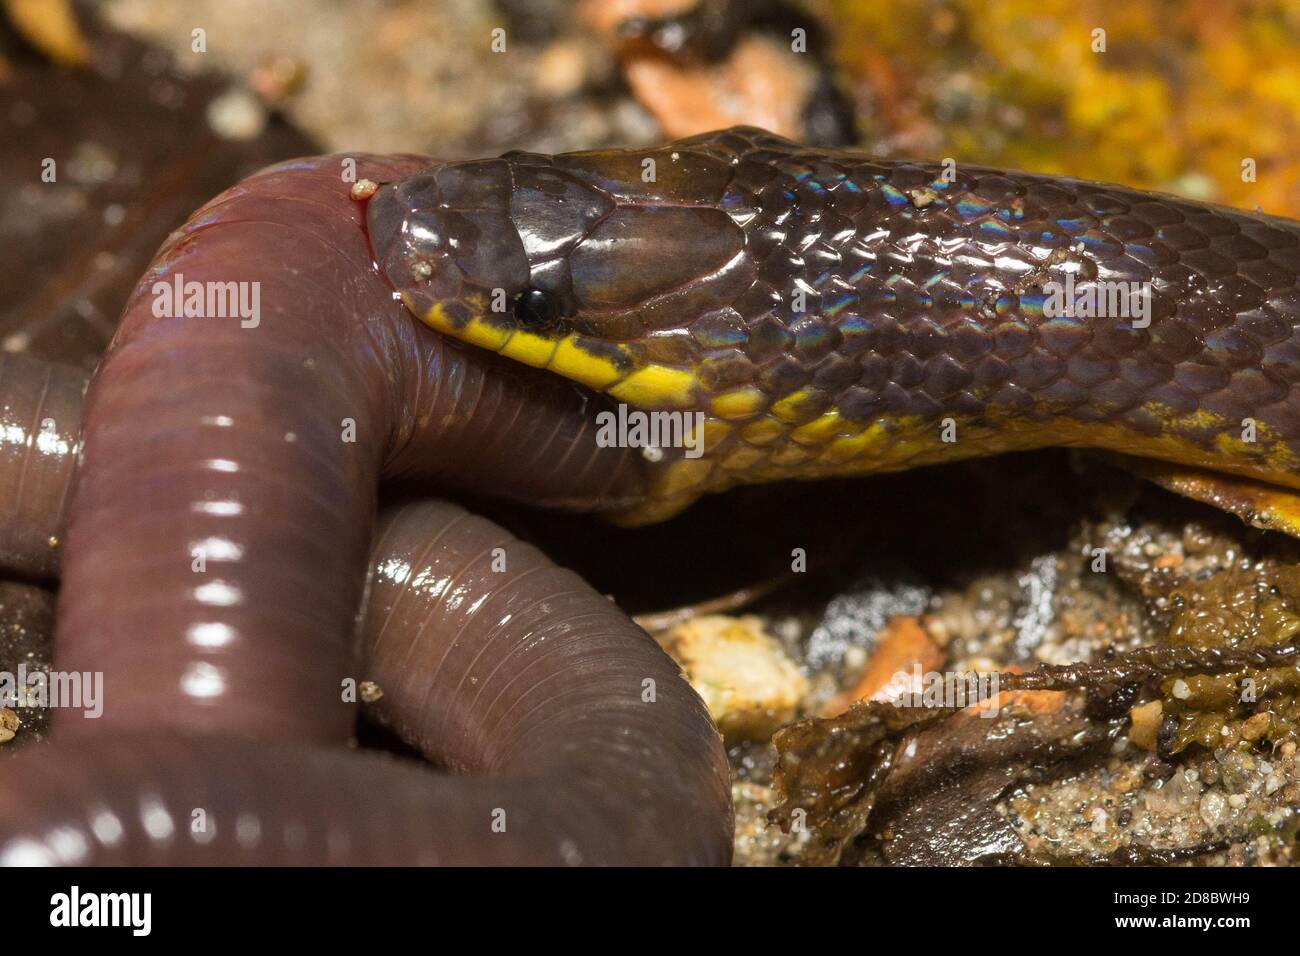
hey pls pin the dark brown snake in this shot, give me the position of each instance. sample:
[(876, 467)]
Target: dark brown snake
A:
[(824, 313)]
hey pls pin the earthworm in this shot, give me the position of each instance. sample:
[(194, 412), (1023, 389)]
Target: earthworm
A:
[(525, 678), (215, 557), (805, 312), (40, 420)]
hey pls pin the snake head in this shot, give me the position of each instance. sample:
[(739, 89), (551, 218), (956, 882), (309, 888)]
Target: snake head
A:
[(578, 265), (561, 264)]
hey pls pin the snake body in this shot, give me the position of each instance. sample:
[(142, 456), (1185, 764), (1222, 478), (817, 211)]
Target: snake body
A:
[(827, 313), (814, 312)]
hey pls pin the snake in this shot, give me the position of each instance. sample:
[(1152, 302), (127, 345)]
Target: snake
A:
[(459, 326)]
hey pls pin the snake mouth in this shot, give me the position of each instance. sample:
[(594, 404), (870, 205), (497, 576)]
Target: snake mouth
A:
[(613, 368), (451, 254), (614, 375)]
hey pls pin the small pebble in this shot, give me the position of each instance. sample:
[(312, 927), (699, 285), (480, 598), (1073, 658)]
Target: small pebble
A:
[(1214, 809), (1256, 726), (275, 79), (237, 114), (922, 197), (364, 188), (745, 678), (1127, 780), (1146, 719), (562, 68), (8, 725)]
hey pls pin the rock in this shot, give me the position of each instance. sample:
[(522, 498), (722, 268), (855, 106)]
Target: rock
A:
[(238, 115), (1026, 703), (750, 686), (562, 68), (903, 651), (1256, 726), (1214, 809), (757, 843), (760, 82), (8, 725), (1145, 724), (855, 617), (1179, 793)]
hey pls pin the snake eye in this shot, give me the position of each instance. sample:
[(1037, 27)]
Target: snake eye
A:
[(536, 309)]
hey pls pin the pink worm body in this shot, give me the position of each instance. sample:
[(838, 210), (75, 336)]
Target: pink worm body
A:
[(215, 561)]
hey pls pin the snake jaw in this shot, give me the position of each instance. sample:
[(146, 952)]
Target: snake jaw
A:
[(603, 366)]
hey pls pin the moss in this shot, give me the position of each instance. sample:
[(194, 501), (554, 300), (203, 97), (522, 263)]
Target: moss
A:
[(1016, 83), (1239, 608)]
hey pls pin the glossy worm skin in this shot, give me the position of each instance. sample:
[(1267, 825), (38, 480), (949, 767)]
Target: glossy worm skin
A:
[(40, 424), (214, 565), (206, 441), (828, 313), (526, 677)]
